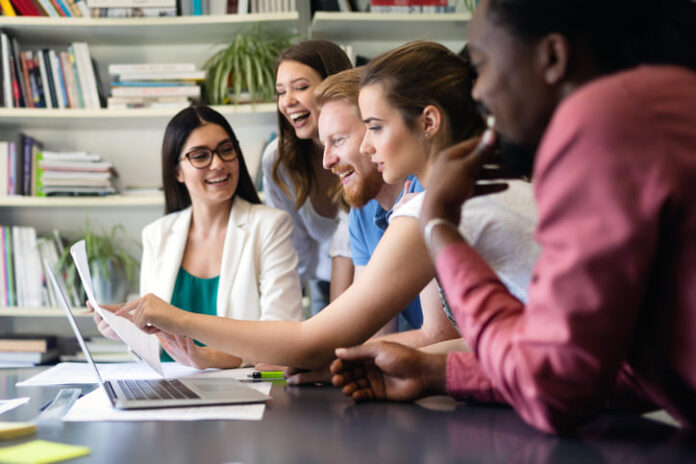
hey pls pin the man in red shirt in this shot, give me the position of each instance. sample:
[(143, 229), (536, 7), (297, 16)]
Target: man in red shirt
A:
[(611, 315)]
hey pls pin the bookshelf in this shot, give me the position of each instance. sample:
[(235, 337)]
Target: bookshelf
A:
[(374, 33), (43, 312), (131, 139)]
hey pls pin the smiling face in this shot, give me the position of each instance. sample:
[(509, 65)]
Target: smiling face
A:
[(295, 83), (215, 183), (511, 82), (341, 131), (397, 150)]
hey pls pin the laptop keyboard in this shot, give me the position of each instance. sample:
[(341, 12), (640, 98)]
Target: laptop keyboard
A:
[(155, 390)]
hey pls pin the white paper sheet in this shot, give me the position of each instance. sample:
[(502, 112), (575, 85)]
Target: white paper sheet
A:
[(146, 346), (77, 373), (96, 407), (7, 405)]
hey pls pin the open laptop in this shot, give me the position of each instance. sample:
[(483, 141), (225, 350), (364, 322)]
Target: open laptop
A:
[(161, 393)]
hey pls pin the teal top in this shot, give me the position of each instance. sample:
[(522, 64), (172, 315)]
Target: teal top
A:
[(195, 295)]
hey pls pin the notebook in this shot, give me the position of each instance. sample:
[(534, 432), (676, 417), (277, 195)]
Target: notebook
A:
[(161, 393)]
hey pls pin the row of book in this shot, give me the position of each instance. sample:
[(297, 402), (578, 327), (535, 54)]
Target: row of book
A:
[(417, 6), (52, 8), (165, 85), (31, 349), (23, 278), (47, 78), (28, 170)]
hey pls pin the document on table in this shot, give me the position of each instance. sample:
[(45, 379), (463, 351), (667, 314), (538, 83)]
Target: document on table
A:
[(146, 346), (79, 372), (95, 406), (7, 405)]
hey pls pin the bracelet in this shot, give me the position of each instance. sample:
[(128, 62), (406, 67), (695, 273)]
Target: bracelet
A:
[(432, 224)]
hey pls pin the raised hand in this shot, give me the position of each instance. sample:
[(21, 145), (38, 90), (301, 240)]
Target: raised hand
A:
[(152, 314), (455, 172), (388, 371)]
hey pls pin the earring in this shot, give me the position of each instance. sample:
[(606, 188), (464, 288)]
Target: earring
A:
[(427, 135)]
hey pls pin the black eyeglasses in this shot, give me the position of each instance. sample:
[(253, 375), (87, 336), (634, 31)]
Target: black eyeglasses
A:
[(201, 158)]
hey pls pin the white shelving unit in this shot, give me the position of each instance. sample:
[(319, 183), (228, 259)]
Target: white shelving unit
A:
[(131, 139), (43, 312), (374, 33)]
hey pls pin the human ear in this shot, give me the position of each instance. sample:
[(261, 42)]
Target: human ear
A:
[(431, 119), (179, 175), (553, 54)]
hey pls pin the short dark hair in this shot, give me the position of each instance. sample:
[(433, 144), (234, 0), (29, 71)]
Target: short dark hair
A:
[(178, 130), (618, 34)]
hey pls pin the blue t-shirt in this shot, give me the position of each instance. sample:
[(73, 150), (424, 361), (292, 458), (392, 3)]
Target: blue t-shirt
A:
[(367, 225)]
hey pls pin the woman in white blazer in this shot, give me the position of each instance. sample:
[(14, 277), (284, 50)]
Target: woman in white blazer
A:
[(218, 251)]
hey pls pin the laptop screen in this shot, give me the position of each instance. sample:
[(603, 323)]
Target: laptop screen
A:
[(71, 318)]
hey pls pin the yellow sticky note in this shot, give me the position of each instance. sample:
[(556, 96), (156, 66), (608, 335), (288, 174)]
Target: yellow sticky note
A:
[(41, 451)]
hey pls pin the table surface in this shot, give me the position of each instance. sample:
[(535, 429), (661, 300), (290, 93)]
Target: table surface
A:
[(317, 425)]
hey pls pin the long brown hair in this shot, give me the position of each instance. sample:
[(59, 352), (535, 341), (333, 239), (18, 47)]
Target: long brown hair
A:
[(176, 196), (419, 74), (325, 58)]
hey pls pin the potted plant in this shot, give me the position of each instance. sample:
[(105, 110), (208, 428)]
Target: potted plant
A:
[(112, 269), (244, 69)]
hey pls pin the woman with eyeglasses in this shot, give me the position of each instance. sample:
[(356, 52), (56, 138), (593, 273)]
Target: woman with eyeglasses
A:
[(218, 251)]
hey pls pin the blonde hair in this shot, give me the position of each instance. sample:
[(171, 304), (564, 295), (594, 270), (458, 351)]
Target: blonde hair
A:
[(343, 86)]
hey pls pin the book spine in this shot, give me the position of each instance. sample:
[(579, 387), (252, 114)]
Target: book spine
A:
[(44, 79), (48, 8), (7, 9), (59, 81), (6, 70), (3, 265), (66, 67), (28, 97), (37, 87), (12, 161), (79, 84), (19, 165), (27, 163), (60, 7), (4, 167), (82, 8), (50, 84), (9, 269)]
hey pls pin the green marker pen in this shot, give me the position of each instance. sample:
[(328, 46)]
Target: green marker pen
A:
[(266, 375)]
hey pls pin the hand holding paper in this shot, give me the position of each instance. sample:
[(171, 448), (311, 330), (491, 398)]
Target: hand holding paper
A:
[(144, 345), (152, 314)]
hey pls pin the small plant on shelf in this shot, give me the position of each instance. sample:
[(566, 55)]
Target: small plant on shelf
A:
[(112, 268), (243, 71)]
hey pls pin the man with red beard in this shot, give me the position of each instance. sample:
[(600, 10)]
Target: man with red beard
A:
[(341, 130)]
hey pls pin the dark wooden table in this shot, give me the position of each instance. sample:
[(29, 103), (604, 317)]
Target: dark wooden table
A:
[(318, 425)]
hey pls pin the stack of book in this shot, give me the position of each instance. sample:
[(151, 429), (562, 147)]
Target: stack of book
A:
[(154, 85), (27, 350), (28, 170), (418, 6), (52, 8), (103, 350), (73, 173), (131, 8), (23, 278), (47, 78)]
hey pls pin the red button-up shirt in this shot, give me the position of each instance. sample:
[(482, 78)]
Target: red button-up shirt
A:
[(611, 315)]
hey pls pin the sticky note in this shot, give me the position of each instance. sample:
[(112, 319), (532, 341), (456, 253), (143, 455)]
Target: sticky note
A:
[(10, 430), (41, 451)]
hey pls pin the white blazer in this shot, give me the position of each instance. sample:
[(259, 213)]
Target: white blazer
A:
[(258, 273)]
